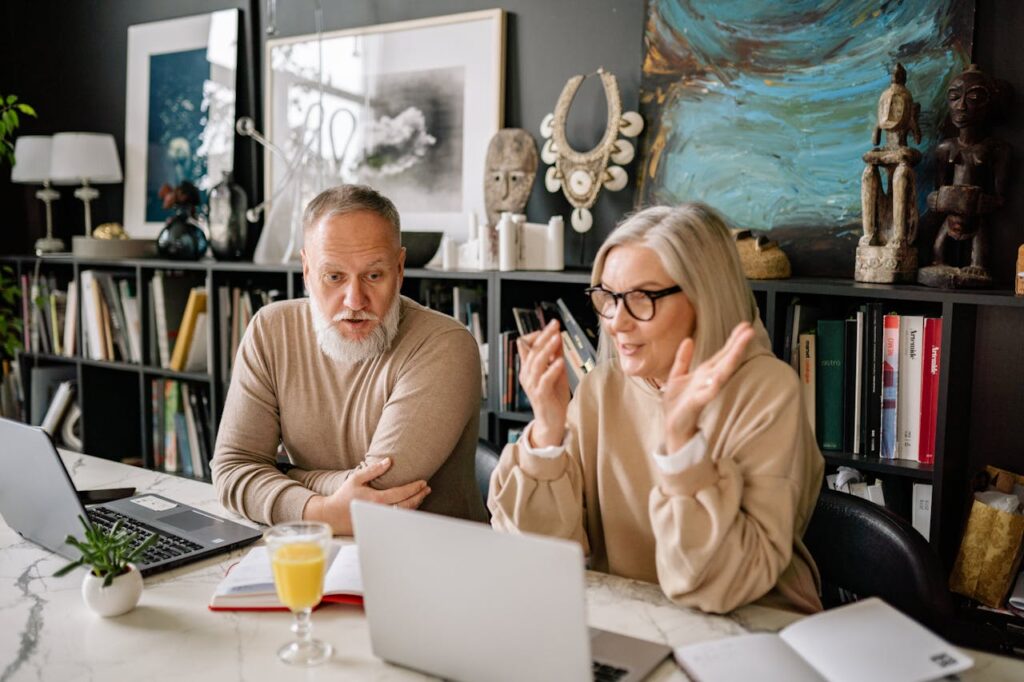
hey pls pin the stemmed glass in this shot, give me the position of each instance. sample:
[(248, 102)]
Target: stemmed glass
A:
[(298, 554)]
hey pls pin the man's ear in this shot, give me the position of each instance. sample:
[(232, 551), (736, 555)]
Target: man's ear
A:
[(401, 265), (305, 266)]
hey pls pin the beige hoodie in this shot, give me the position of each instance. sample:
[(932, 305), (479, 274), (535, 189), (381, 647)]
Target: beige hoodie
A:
[(722, 533)]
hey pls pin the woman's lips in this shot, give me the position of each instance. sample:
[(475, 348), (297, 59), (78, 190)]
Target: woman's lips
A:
[(629, 348)]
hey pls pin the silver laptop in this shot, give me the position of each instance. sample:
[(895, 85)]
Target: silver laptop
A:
[(39, 501), (459, 600)]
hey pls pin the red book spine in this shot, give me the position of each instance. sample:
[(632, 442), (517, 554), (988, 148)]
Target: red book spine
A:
[(930, 388)]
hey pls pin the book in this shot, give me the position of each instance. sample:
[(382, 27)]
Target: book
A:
[(170, 297), (890, 385), (92, 318), (871, 412), (908, 413), (249, 585), (133, 323), (921, 513), (44, 383), (930, 388), (851, 385), (195, 305), (62, 399), (865, 640), (198, 350), (70, 320), (829, 389), (808, 362), (578, 337)]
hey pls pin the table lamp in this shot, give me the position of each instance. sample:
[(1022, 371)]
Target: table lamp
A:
[(85, 158), (32, 167)]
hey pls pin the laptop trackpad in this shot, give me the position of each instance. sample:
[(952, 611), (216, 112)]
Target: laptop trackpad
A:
[(188, 520)]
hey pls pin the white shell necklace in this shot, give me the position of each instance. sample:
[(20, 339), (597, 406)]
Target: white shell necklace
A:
[(581, 175)]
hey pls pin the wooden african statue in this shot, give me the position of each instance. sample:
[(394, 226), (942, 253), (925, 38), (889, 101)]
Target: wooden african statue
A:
[(971, 172), (885, 252)]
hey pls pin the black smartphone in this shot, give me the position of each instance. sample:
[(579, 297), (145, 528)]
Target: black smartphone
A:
[(104, 495)]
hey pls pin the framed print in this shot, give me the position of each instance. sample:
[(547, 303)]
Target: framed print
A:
[(180, 117), (407, 108)]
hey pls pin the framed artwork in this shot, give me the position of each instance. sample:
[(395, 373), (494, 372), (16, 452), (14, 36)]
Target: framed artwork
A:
[(407, 108), (180, 117), (764, 110)]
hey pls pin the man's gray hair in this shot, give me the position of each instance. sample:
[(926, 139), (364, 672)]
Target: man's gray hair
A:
[(350, 199)]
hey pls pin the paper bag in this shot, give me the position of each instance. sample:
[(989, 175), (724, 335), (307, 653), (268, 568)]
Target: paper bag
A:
[(990, 552)]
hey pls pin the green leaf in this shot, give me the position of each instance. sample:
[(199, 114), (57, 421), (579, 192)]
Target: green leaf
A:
[(11, 99), (27, 110)]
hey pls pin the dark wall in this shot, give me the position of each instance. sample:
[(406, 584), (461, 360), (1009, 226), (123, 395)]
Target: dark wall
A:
[(68, 59), (81, 85)]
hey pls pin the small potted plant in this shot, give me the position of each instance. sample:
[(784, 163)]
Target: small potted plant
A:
[(114, 584)]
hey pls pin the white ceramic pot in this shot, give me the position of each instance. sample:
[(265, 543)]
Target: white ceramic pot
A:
[(119, 597)]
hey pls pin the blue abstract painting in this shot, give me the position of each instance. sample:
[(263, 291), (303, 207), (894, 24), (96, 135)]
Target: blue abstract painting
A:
[(177, 119), (764, 109)]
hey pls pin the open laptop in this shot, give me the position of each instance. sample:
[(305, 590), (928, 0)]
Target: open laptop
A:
[(459, 600), (39, 501)]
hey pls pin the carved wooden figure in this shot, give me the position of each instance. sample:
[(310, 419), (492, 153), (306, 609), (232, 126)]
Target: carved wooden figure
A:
[(511, 168), (971, 172), (885, 253)]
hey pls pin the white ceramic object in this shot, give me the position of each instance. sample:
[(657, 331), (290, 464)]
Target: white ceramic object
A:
[(121, 596)]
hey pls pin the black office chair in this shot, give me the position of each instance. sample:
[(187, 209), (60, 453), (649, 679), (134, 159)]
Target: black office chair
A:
[(486, 460), (864, 550)]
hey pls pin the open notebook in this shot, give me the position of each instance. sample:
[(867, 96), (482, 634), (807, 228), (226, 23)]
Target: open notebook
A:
[(866, 640), (249, 585)]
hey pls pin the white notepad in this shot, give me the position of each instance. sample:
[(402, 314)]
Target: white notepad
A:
[(866, 640)]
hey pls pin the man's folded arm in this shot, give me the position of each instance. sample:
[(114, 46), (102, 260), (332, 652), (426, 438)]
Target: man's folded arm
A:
[(436, 395), (243, 467)]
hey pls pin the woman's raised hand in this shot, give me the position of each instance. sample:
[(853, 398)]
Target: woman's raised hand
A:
[(542, 374), (687, 392)]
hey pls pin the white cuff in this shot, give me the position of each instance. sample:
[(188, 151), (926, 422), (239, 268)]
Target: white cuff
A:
[(548, 452), (684, 457)]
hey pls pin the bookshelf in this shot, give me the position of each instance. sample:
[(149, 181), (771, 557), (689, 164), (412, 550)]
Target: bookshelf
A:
[(980, 335)]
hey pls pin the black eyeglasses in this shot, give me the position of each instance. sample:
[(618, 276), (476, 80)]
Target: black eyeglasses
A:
[(639, 302)]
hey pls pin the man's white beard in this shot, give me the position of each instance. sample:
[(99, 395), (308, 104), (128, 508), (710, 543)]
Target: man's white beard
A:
[(349, 351)]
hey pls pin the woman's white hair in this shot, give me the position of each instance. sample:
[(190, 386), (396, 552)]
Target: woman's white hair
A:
[(699, 254)]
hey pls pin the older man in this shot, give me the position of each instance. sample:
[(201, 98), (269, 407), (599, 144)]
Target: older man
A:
[(372, 395)]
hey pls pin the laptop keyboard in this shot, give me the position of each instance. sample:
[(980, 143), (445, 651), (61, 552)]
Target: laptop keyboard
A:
[(607, 673), (166, 547)]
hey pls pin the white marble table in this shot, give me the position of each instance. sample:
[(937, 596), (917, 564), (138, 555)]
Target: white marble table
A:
[(47, 633)]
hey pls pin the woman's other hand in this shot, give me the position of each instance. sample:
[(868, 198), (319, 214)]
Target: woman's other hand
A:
[(542, 374), (687, 392)]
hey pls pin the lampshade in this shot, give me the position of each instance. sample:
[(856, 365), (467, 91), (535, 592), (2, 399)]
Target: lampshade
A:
[(84, 156), (32, 159)]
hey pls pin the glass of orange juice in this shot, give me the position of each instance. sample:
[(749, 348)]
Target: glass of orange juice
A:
[(298, 555)]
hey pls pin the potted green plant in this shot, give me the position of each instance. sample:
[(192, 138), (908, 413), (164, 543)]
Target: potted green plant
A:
[(114, 584)]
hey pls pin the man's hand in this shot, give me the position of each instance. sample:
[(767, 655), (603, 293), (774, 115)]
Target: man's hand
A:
[(335, 509)]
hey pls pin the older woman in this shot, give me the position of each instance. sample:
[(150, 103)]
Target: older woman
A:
[(685, 458)]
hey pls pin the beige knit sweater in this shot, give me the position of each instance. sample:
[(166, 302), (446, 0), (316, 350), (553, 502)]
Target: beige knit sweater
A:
[(418, 403), (720, 534)]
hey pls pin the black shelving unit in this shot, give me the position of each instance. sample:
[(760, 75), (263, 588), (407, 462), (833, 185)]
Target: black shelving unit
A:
[(980, 334)]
